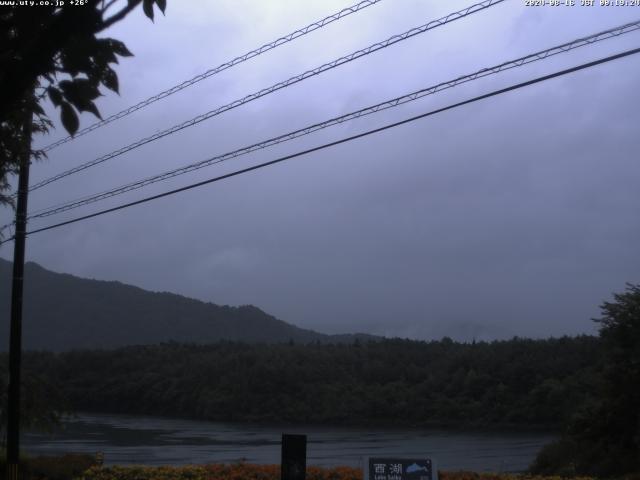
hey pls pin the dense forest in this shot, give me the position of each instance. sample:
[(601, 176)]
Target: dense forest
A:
[(399, 382), (584, 387), (602, 437)]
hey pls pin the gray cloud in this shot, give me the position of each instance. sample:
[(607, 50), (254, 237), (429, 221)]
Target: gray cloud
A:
[(512, 216)]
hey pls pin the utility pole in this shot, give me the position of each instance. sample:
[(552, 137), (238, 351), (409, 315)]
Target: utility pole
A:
[(15, 338)]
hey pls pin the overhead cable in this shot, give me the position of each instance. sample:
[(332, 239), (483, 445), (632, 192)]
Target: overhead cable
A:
[(533, 57), (338, 142), (213, 71), (278, 86)]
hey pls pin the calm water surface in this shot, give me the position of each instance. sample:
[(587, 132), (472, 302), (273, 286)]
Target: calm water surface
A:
[(126, 439)]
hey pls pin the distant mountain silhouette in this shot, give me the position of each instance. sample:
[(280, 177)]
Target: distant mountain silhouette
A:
[(64, 312)]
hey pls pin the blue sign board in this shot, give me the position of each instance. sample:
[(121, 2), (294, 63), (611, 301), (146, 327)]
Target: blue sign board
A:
[(383, 468)]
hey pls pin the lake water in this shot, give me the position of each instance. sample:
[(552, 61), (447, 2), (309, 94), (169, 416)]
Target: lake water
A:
[(128, 439)]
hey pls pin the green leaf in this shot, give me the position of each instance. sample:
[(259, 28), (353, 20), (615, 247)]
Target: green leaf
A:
[(75, 60), (104, 52), (109, 79), (119, 47), (69, 118), (147, 6), (55, 96), (162, 5), (91, 107), (37, 109), (80, 90)]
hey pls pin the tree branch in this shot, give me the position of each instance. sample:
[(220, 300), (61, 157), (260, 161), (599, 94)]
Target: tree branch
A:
[(106, 23), (107, 6)]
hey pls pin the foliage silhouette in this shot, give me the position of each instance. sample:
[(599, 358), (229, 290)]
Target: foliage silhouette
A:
[(390, 382), (54, 52), (603, 437)]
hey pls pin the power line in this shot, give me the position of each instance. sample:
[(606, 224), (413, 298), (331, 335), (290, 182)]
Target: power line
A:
[(213, 71), (278, 86), (533, 57), (341, 141)]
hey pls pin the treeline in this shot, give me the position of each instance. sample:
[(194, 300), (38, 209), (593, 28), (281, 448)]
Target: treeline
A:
[(602, 437), (399, 382)]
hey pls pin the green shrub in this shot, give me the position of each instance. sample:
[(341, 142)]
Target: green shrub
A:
[(64, 467)]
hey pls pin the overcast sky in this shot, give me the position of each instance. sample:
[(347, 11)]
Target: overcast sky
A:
[(517, 215)]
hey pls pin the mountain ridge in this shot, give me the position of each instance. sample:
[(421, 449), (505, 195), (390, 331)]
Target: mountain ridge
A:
[(57, 307)]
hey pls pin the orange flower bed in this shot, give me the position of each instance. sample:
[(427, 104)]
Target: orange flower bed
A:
[(239, 471), (245, 471)]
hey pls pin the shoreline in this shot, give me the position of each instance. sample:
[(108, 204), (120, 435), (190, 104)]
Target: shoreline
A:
[(387, 425)]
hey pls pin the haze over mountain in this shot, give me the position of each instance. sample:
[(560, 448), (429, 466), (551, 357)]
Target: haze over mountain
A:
[(64, 312)]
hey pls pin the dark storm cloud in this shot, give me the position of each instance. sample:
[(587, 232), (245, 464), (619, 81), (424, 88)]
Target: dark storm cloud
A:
[(512, 216)]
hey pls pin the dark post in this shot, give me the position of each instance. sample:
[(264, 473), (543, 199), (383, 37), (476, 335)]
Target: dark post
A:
[(15, 338), (294, 457)]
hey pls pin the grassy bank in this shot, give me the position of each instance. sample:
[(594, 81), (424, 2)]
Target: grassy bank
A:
[(262, 472), (83, 467), (63, 467)]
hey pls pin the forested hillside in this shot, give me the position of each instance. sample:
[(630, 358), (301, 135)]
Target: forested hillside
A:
[(63, 312), (399, 382)]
